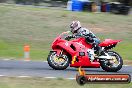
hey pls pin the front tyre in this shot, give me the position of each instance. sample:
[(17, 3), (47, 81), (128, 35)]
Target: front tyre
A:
[(113, 65), (58, 63)]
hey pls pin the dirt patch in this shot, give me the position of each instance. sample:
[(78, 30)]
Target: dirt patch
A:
[(127, 62), (98, 29)]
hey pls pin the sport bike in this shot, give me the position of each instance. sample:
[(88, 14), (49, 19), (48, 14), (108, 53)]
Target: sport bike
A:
[(78, 53)]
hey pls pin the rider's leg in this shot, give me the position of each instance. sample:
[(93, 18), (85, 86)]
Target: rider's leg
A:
[(97, 48)]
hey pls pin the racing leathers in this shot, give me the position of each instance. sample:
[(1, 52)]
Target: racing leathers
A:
[(90, 38)]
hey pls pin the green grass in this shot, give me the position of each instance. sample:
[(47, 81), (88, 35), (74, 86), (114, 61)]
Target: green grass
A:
[(12, 82), (38, 27)]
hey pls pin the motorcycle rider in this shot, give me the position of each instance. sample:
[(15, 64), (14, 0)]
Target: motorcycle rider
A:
[(78, 31)]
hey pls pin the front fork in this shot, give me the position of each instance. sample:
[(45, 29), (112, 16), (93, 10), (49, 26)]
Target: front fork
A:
[(60, 53)]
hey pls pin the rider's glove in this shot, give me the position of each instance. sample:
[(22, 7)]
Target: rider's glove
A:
[(69, 37), (89, 39)]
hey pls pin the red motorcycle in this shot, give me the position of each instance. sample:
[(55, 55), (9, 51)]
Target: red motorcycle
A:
[(75, 53)]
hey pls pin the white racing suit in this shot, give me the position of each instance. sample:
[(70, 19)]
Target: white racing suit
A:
[(90, 37)]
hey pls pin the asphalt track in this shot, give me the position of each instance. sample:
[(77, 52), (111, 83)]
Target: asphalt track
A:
[(42, 69)]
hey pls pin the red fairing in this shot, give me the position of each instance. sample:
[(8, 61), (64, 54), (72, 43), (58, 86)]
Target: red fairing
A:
[(108, 42), (77, 46), (83, 42)]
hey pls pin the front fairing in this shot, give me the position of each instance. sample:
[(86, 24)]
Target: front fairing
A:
[(56, 42), (59, 39)]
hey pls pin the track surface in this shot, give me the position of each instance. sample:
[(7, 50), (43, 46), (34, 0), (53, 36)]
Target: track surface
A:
[(42, 69)]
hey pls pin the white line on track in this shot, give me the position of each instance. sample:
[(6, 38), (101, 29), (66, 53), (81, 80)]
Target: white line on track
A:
[(50, 77), (71, 78), (35, 77), (57, 77), (23, 76), (2, 75), (126, 65), (6, 59)]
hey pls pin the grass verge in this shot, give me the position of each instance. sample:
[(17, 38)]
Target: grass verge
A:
[(12, 82), (38, 27)]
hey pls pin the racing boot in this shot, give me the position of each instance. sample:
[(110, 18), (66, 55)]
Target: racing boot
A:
[(98, 50), (91, 54)]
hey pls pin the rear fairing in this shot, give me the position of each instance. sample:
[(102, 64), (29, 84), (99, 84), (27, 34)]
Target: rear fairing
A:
[(109, 42)]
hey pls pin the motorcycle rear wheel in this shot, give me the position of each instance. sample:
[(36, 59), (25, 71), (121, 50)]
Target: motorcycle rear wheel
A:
[(55, 65), (112, 67)]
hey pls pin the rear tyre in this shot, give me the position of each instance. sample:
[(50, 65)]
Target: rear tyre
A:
[(107, 66), (58, 65)]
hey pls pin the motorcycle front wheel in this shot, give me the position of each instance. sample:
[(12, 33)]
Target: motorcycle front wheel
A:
[(113, 65), (58, 63)]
